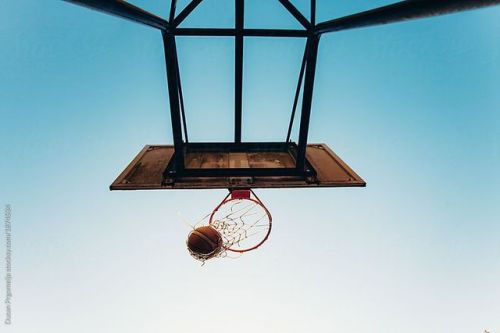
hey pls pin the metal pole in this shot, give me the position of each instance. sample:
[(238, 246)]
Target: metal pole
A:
[(124, 10), (238, 69), (312, 54), (172, 10), (313, 13), (295, 13), (173, 92), (401, 11), (185, 12), (297, 93), (181, 101), (245, 32)]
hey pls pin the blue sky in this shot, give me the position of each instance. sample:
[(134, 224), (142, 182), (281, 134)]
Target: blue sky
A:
[(413, 107)]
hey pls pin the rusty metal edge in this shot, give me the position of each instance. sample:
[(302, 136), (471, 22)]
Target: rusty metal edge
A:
[(342, 164), (117, 184)]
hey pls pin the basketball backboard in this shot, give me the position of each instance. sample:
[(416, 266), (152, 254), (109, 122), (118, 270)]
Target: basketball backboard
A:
[(206, 169)]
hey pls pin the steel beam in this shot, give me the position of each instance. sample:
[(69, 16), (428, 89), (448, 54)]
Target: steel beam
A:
[(124, 10), (312, 54), (173, 5), (173, 92), (401, 11), (245, 32), (297, 93), (248, 147), (296, 13), (181, 101), (313, 12), (238, 68), (185, 12)]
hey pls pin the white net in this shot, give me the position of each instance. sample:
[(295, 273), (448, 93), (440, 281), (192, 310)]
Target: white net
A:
[(244, 224)]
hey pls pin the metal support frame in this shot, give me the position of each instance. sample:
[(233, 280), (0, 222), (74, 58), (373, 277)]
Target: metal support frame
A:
[(124, 10), (181, 101), (185, 12), (177, 168), (173, 90), (308, 172), (238, 68), (313, 13), (297, 94), (296, 13), (396, 12), (230, 32), (173, 5), (401, 11), (312, 54)]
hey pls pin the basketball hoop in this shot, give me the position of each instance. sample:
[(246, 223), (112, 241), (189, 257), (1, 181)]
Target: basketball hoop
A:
[(242, 220)]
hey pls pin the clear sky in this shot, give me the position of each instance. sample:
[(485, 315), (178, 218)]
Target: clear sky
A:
[(413, 107)]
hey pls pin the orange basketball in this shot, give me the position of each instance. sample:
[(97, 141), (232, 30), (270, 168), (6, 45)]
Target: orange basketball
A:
[(204, 242)]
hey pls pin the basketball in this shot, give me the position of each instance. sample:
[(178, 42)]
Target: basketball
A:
[(204, 242)]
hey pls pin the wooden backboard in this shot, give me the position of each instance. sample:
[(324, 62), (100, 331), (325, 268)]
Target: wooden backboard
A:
[(145, 172)]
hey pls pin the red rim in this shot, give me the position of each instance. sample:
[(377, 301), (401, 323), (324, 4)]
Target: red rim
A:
[(256, 201)]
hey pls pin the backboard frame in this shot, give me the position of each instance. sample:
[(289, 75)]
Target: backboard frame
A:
[(146, 172)]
